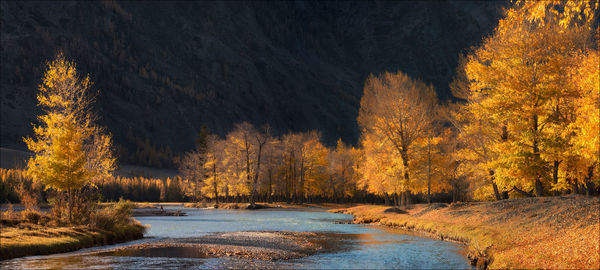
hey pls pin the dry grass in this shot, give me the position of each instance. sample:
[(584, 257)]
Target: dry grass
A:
[(30, 239), (557, 232), (30, 232)]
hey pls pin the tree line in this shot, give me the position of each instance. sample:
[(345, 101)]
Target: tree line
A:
[(526, 123), (251, 164), (527, 120)]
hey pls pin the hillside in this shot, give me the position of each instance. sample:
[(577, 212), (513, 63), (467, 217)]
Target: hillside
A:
[(17, 159), (165, 69)]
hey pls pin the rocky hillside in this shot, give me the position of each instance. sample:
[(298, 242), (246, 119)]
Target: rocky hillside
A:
[(166, 68)]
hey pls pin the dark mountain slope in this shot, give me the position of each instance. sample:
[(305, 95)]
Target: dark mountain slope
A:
[(166, 68)]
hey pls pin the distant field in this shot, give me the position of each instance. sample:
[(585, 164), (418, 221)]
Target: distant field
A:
[(17, 159)]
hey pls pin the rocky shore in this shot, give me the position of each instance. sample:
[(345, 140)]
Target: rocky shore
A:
[(255, 245)]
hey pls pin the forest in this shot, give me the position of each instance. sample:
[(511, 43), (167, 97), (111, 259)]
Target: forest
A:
[(524, 122)]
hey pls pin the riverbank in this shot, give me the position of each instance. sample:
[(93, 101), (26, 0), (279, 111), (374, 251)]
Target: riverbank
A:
[(262, 205), (145, 212), (547, 232), (31, 232), (26, 239)]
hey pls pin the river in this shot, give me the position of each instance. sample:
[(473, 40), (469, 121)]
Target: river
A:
[(365, 246)]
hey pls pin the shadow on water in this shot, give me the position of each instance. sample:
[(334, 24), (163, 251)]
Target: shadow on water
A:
[(156, 252)]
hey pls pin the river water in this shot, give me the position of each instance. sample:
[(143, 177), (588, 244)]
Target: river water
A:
[(367, 246)]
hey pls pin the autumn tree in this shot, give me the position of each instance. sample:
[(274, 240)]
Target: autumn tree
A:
[(70, 150), (519, 77), (214, 166), (477, 133), (583, 165), (273, 160), (395, 110), (239, 153), (202, 166), (191, 167), (342, 170), (451, 171), (248, 143), (380, 168), (313, 165)]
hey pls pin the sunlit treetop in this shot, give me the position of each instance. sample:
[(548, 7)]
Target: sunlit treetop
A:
[(63, 89), (70, 150), (578, 12)]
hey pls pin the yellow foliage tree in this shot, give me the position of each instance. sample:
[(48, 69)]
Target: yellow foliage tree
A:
[(519, 77), (314, 166), (342, 163), (396, 111), (70, 151), (214, 166), (583, 165)]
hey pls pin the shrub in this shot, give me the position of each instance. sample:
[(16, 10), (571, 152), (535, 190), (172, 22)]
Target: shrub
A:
[(9, 214), (31, 216), (115, 217), (101, 219), (84, 204)]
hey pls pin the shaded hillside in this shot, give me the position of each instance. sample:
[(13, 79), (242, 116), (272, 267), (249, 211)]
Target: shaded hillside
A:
[(165, 69)]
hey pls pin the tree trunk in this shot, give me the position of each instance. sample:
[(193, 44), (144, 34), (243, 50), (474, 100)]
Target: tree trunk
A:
[(496, 192), (269, 198), (589, 185), (555, 176), (429, 171), (302, 179), (404, 156), (215, 183), (539, 187), (256, 174), (494, 186), (70, 206), (227, 193)]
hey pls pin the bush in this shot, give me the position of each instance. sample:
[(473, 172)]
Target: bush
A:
[(9, 214), (84, 204), (115, 217), (31, 216), (101, 219)]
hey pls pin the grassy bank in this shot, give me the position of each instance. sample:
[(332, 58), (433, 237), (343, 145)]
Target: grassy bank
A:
[(31, 232), (551, 232), (26, 239)]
